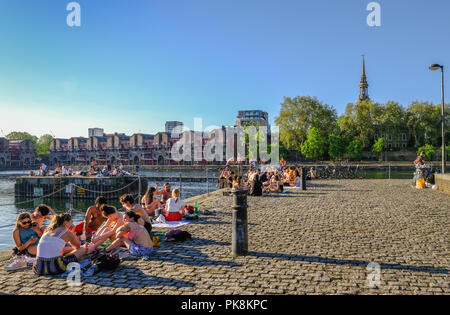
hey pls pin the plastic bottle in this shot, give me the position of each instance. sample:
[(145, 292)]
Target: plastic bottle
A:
[(195, 207)]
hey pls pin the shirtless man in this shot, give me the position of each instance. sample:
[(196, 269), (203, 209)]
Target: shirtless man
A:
[(41, 213), (165, 194), (93, 219)]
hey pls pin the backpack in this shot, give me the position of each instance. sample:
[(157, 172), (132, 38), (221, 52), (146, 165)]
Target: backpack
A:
[(189, 209), (106, 262), (178, 235)]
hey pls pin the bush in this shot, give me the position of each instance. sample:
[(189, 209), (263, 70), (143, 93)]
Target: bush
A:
[(354, 150), (429, 151)]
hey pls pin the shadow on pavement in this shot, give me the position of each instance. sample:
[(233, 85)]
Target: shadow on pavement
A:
[(188, 253), (361, 263)]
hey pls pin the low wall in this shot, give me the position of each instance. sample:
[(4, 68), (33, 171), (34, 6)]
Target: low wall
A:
[(443, 182)]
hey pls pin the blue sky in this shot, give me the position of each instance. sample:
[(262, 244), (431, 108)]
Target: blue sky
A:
[(132, 65)]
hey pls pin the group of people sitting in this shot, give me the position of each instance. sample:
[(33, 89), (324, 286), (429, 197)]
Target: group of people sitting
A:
[(269, 181), (93, 170), (62, 242)]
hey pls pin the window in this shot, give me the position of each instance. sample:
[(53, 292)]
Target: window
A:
[(404, 145), (404, 136)]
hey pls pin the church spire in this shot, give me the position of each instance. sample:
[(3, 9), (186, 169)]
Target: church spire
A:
[(363, 86)]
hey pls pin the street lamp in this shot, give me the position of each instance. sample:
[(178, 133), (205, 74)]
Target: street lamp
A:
[(437, 67)]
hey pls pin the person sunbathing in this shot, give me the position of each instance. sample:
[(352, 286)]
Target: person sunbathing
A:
[(49, 259), (25, 235), (114, 220), (93, 219), (274, 186), (134, 236), (165, 193), (41, 213), (174, 209), (150, 203), (295, 181), (127, 202)]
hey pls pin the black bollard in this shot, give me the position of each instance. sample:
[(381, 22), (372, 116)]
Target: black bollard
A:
[(304, 174), (239, 237)]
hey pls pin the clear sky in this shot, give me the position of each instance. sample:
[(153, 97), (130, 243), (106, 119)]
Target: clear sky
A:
[(134, 64)]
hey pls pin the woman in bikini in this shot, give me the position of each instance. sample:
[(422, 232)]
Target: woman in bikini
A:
[(134, 236), (150, 203)]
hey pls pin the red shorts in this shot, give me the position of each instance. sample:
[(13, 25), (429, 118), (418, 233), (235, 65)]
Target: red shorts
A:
[(78, 230), (174, 216)]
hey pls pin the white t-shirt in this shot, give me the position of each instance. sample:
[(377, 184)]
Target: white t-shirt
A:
[(174, 206)]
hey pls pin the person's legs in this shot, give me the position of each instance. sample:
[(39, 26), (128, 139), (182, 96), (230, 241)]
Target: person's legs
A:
[(82, 251), (100, 234), (117, 243), (98, 241)]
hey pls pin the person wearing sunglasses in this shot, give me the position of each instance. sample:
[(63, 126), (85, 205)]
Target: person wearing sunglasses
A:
[(26, 235)]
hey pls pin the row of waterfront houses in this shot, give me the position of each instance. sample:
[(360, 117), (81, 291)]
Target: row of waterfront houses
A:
[(16, 153), (115, 149)]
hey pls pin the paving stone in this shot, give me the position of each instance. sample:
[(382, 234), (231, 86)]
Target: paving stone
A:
[(339, 228)]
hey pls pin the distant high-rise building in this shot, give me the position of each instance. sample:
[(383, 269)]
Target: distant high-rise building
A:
[(170, 125), (96, 132), (246, 117), (363, 85)]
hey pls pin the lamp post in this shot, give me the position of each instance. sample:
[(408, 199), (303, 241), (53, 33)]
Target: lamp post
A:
[(437, 67)]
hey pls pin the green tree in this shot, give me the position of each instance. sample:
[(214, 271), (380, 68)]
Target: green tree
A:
[(429, 151), (359, 121), (336, 146), (18, 135), (354, 149), (447, 151), (390, 121), (378, 147), (315, 145), (43, 145), (298, 115), (423, 119)]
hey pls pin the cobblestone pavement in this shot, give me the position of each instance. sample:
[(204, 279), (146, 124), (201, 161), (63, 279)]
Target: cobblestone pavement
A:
[(337, 229)]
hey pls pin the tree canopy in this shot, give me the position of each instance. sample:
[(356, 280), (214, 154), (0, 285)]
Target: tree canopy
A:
[(299, 114)]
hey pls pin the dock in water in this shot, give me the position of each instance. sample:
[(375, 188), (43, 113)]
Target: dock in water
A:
[(78, 187)]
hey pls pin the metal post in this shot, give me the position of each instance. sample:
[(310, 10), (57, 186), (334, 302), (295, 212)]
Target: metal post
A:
[(239, 238), (389, 170), (180, 184), (207, 182), (444, 157), (139, 177), (304, 172), (72, 188)]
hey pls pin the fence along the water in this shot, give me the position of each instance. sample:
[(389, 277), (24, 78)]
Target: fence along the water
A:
[(61, 191)]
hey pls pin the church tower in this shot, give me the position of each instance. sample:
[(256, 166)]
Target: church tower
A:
[(363, 86)]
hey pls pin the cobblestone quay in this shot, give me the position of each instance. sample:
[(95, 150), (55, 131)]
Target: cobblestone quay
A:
[(316, 242)]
